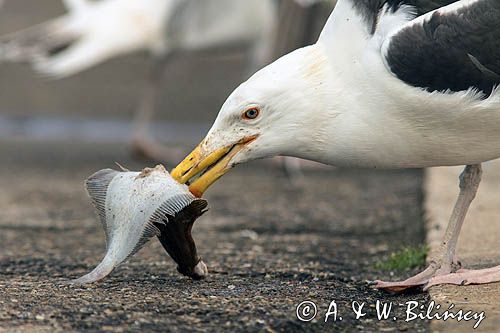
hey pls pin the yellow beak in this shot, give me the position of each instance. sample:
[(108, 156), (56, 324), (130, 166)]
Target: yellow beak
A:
[(211, 166)]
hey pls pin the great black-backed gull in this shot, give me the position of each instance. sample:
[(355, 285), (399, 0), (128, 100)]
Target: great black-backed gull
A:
[(389, 84)]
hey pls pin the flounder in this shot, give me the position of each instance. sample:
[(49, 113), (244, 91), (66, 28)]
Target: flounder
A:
[(134, 207)]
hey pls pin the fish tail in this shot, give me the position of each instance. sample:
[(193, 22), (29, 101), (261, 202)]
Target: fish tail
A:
[(100, 272)]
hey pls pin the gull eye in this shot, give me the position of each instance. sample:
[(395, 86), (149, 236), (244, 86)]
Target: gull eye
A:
[(251, 114)]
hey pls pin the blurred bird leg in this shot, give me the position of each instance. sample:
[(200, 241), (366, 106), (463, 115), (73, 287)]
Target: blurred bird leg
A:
[(293, 31), (269, 47), (145, 111), (443, 267), (143, 145), (293, 171), (146, 148)]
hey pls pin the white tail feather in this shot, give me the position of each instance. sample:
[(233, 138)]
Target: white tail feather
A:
[(37, 41), (83, 55)]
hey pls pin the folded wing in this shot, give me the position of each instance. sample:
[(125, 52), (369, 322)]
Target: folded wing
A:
[(454, 48)]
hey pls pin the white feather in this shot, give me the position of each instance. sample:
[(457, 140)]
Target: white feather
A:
[(100, 30)]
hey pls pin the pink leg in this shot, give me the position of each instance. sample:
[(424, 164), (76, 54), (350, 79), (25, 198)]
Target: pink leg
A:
[(293, 168), (144, 147), (445, 264), (467, 277), (142, 144)]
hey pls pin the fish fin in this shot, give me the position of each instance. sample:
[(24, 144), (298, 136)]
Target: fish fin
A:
[(97, 188), (175, 220), (122, 168), (196, 208), (171, 207), (167, 213), (100, 272), (107, 265), (149, 232)]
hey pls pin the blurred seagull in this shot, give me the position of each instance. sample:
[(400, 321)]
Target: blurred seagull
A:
[(95, 31), (389, 84)]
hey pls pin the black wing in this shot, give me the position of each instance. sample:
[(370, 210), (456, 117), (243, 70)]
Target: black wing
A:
[(370, 9), (450, 50)]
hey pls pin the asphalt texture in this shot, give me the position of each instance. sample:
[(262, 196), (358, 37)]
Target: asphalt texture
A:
[(269, 246)]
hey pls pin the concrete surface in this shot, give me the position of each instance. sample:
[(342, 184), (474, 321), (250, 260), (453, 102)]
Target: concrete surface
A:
[(268, 247), (479, 243)]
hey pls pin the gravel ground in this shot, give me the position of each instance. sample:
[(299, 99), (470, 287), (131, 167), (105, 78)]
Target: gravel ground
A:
[(268, 247)]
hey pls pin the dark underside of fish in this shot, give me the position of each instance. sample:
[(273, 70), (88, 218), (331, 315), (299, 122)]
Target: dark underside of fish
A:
[(177, 240)]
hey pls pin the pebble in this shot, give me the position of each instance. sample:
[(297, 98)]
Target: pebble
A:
[(250, 234)]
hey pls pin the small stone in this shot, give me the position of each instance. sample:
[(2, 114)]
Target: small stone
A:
[(40, 317), (231, 287), (250, 234)]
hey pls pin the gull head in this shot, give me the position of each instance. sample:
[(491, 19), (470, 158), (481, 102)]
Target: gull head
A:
[(271, 114)]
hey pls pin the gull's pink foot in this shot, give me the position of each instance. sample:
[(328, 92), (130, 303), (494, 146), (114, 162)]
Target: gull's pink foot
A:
[(435, 270), (445, 269), (418, 280), (467, 277)]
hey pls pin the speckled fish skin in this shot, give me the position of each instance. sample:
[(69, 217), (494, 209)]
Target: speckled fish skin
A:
[(134, 207)]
